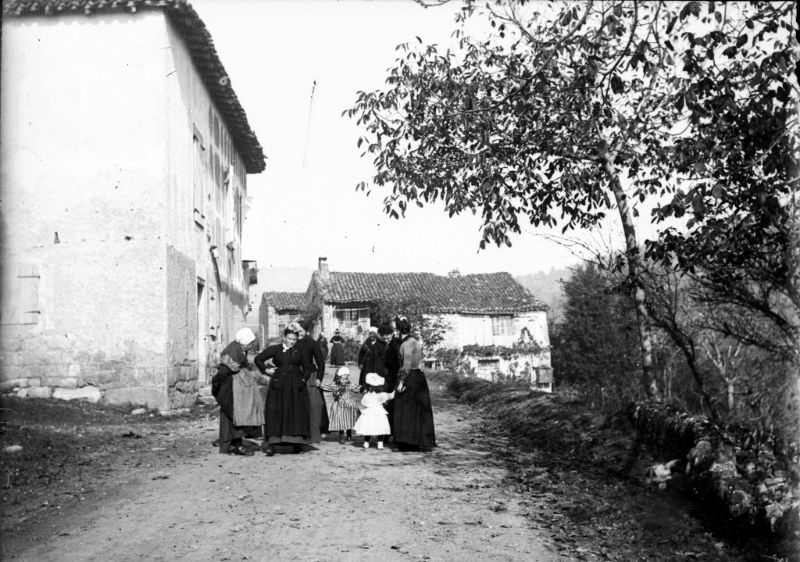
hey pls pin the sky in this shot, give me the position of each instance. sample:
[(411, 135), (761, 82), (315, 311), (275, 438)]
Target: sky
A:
[(305, 205)]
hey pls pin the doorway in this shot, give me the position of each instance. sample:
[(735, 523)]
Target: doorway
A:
[(202, 333)]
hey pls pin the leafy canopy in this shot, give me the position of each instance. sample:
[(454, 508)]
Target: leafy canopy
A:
[(519, 125)]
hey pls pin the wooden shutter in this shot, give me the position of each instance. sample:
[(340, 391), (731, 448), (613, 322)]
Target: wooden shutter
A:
[(20, 302)]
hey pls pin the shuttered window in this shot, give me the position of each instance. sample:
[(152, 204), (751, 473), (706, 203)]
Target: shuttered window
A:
[(20, 302), (502, 325)]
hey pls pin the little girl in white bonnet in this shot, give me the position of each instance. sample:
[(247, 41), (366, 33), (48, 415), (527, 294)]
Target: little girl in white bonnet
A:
[(373, 423)]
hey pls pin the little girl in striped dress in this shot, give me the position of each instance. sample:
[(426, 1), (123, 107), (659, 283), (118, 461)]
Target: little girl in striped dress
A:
[(344, 409)]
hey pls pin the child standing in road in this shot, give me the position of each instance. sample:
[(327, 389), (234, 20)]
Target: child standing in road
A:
[(344, 410), (373, 423)]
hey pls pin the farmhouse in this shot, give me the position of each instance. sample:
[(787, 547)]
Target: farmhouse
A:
[(278, 309), (125, 156), (489, 313)]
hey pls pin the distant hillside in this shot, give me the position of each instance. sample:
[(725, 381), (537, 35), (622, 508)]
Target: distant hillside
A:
[(547, 288)]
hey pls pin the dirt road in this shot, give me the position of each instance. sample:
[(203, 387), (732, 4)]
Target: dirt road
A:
[(183, 501)]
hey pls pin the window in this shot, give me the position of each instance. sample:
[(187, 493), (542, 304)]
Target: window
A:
[(198, 173), (348, 318), (237, 209), (502, 325)]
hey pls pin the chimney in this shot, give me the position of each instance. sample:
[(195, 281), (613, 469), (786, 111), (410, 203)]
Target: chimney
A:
[(324, 273), (454, 273)]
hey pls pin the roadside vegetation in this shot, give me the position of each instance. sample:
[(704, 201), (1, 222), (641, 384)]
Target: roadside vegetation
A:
[(611, 483)]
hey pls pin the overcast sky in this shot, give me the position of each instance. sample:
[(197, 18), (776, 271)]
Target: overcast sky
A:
[(305, 204)]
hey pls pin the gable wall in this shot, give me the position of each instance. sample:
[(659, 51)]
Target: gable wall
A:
[(83, 204)]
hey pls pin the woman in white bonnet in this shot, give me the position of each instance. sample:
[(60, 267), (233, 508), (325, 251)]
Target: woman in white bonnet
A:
[(233, 359)]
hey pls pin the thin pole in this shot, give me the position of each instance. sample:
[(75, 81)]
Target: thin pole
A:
[(308, 126)]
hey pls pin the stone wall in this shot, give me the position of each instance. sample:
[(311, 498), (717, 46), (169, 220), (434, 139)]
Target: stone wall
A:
[(99, 322), (750, 478), (182, 330)]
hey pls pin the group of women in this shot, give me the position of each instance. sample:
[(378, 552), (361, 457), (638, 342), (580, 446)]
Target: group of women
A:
[(294, 411)]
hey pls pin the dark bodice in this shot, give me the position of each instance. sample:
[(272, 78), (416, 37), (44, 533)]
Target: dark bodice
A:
[(283, 360)]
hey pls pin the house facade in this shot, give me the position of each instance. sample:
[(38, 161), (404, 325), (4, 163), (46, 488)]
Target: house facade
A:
[(124, 161), (277, 311), (480, 313)]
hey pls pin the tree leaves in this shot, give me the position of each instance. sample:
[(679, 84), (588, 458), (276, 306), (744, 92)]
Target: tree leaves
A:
[(516, 135), (616, 84)]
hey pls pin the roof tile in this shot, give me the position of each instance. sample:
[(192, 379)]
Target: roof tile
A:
[(481, 293), (285, 302)]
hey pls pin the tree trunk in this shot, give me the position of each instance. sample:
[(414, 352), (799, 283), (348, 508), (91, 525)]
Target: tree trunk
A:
[(794, 314), (731, 402), (648, 379)]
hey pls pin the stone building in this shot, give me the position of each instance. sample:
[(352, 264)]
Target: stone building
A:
[(484, 312), (124, 160), (278, 310)]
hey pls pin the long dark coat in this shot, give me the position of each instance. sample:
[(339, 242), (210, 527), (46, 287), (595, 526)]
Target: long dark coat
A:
[(314, 367), (371, 357), (287, 411), (222, 389), (222, 381), (413, 415), (337, 350)]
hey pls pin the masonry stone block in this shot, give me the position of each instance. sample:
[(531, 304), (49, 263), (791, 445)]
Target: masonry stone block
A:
[(187, 372), (100, 378), (52, 381), (173, 375), (39, 392), (8, 386), (186, 386), (140, 396), (69, 382), (90, 393), (145, 376), (74, 370), (183, 400)]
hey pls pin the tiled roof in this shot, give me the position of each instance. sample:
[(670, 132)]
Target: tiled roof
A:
[(199, 42), (285, 302), (481, 293)]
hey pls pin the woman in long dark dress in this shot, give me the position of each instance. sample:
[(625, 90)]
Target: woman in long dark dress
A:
[(413, 415), (286, 416), (337, 349)]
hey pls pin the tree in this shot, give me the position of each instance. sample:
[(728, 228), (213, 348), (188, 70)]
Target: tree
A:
[(671, 309), (735, 379), (595, 347), (548, 120), (578, 111), (738, 154), (431, 328)]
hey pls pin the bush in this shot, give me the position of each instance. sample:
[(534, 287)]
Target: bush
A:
[(472, 389), (519, 348), (448, 358)]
